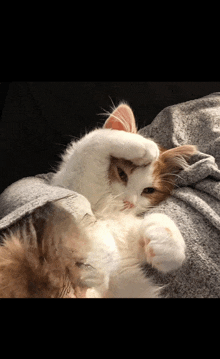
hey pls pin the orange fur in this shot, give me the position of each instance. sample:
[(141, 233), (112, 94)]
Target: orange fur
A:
[(166, 167), (23, 276), (39, 256), (169, 163)]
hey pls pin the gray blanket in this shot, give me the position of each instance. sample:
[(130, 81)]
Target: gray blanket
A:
[(24, 196), (194, 204)]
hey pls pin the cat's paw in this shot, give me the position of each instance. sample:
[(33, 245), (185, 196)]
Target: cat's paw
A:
[(130, 146), (163, 244), (147, 152)]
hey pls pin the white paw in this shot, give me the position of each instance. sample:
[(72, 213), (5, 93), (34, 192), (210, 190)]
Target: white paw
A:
[(130, 146), (148, 152), (163, 245)]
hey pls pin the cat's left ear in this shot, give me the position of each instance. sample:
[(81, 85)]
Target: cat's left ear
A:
[(121, 119), (176, 158)]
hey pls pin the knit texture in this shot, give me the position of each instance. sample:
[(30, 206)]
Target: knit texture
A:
[(194, 205), (24, 196)]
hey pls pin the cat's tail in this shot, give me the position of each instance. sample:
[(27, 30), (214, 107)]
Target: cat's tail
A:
[(22, 275), (12, 274)]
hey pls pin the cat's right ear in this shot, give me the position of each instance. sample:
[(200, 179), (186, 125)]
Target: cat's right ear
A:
[(121, 119), (176, 158)]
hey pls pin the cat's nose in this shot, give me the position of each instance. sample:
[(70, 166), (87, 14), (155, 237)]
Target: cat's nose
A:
[(128, 204)]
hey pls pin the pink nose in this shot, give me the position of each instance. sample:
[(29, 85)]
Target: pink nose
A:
[(128, 204)]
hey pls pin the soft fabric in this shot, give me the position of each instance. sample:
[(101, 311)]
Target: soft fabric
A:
[(194, 205), (24, 196)]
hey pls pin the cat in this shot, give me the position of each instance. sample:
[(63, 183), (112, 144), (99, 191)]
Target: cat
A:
[(115, 161), (50, 254), (115, 164)]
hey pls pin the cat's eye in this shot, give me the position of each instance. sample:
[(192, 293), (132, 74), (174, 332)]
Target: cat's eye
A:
[(83, 265), (148, 190), (122, 175)]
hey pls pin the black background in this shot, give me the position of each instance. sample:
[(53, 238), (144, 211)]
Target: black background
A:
[(38, 120)]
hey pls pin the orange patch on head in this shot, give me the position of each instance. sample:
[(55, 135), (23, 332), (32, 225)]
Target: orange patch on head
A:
[(169, 163)]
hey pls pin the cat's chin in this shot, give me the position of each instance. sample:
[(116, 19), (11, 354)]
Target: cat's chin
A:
[(135, 210)]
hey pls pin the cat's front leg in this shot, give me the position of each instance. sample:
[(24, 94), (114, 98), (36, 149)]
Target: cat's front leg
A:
[(130, 146), (162, 242)]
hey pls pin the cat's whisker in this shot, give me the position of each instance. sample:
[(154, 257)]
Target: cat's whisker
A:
[(113, 107), (106, 113), (170, 174), (172, 183), (166, 181)]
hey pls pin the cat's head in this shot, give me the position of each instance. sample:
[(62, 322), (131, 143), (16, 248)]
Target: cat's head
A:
[(141, 187)]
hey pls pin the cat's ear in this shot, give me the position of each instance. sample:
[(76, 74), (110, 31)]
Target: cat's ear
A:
[(121, 119), (176, 158)]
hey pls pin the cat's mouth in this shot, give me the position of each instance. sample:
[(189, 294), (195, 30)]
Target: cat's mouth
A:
[(128, 205), (135, 209)]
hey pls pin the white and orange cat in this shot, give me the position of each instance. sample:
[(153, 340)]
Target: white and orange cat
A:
[(117, 162), (123, 174), (53, 253)]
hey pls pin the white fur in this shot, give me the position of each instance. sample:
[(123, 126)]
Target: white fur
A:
[(115, 256), (120, 241), (85, 165), (164, 240), (141, 178)]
